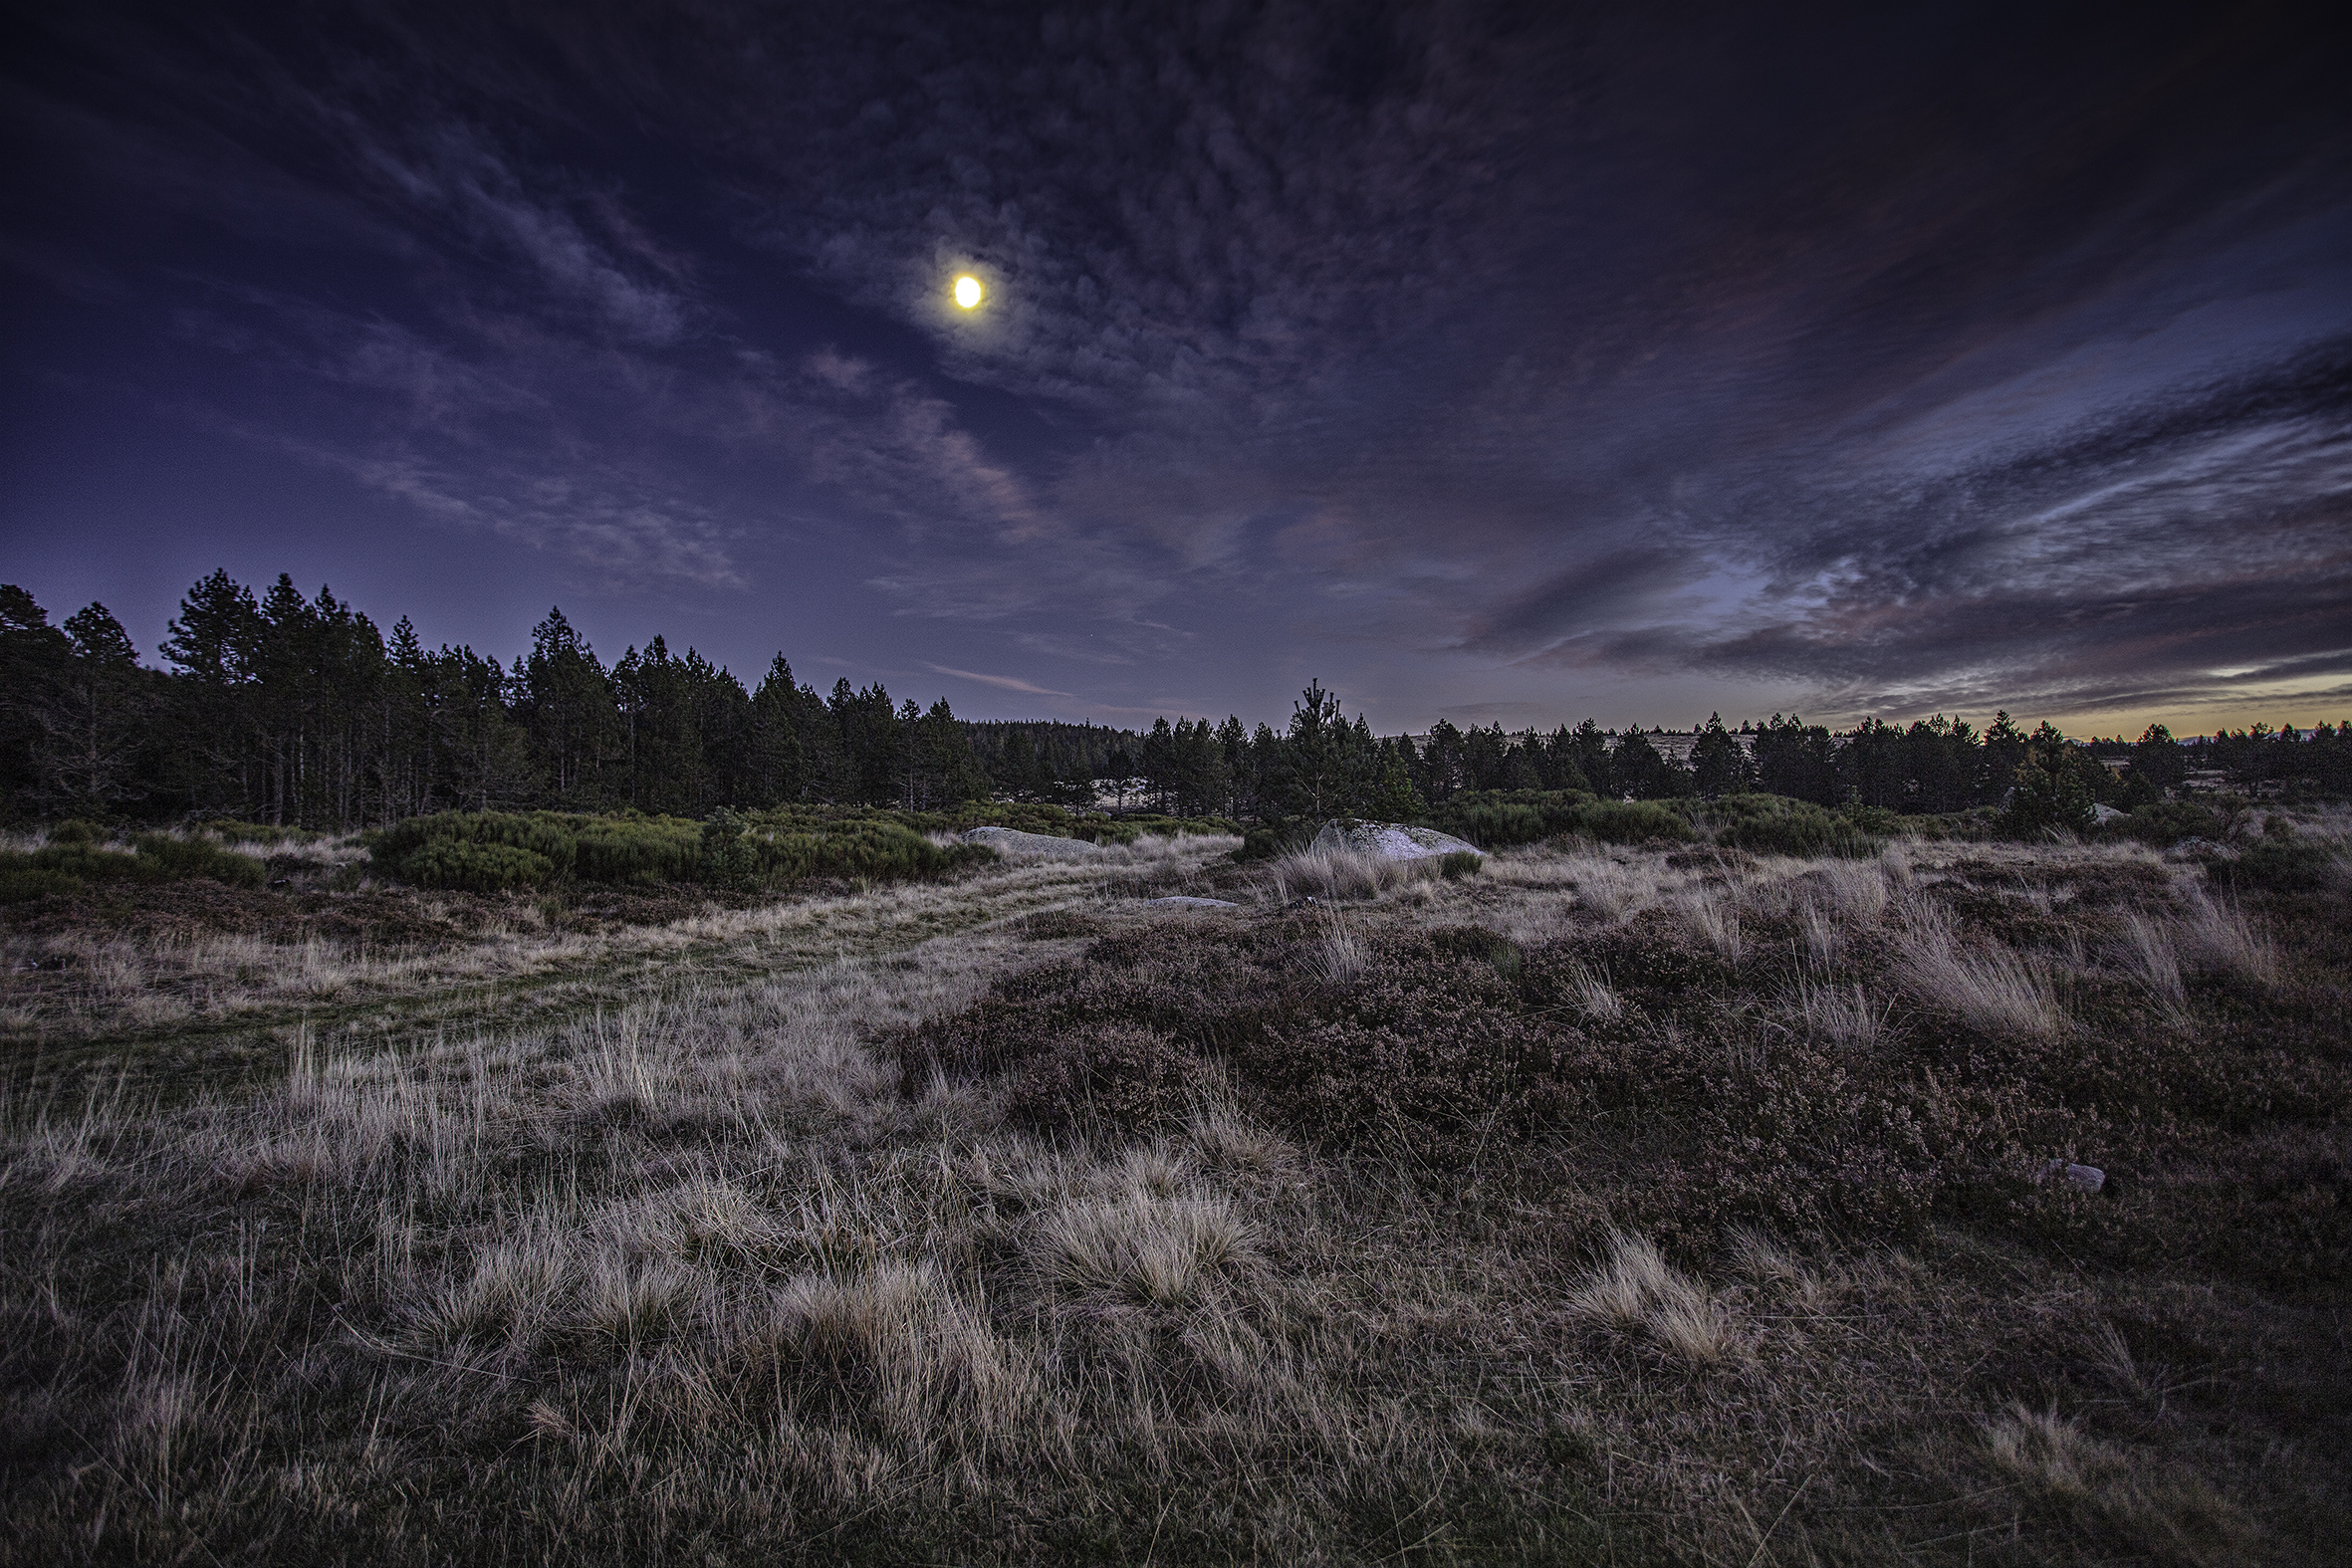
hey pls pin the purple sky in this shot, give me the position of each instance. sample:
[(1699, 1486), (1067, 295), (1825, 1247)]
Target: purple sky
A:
[(1480, 363)]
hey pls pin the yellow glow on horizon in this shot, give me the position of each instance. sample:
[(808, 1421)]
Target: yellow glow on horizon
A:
[(967, 291)]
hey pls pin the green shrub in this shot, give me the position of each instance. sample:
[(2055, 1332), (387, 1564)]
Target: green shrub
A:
[(2287, 865), (1499, 818), (476, 867), (730, 850), (1459, 864), (78, 831), (1260, 844), (635, 850), (873, 846), (21, 884), (1878, 820), (1633, 822), (88, 863), (164, 858), (2166, 822), (159, 857), (1770, 824)]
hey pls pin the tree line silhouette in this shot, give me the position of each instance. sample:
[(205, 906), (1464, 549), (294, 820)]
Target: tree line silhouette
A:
[(278, 708)]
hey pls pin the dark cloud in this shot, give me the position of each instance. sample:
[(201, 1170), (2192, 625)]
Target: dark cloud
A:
[(1487, 361)]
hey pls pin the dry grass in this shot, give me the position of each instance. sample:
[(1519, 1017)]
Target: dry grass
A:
[(2148, 950), (687, 1267), (1988, 985), (1593, 995), (1715, 918), (1839, 1015), (2217, 937), (1636, 1289), (78, 984), (1340, 875), (1340, 954)]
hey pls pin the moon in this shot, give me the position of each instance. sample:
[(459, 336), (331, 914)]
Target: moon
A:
[(968, 291)]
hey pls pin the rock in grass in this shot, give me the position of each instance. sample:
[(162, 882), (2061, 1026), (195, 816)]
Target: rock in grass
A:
[(1012, 842), (1187, 901), (1391, 840), (2088, 1177)]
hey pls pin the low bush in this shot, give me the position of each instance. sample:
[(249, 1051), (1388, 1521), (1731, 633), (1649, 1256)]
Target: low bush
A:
[(67, 866), (171, 859), (1633, 822), (490, 852), (22, 884), (1499, 818), (475, 867), (1772, 825), (2166, 822), (1118, 1077), (1449, 1044)]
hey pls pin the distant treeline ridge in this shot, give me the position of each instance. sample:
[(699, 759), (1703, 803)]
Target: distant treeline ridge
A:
[(299, 711)]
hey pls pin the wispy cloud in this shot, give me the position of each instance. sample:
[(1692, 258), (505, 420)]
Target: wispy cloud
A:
[(1000, 682)]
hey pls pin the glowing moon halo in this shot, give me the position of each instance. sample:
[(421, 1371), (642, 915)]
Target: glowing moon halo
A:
[(967, 291)]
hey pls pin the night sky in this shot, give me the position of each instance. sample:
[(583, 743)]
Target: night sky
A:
[(1485, 361)]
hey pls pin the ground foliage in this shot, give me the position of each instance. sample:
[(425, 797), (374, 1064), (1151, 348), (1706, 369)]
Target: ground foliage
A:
[(1674, 1203)]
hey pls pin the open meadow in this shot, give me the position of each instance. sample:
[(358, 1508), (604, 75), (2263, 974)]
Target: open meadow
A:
[(1625, 1203)]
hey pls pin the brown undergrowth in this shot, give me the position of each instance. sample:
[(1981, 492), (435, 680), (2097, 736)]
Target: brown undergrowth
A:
[(1611, 1205)]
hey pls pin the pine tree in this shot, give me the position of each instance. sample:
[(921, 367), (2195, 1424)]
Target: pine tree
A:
[(1718, 766), (94, 718), (35, 659), (568, 707)]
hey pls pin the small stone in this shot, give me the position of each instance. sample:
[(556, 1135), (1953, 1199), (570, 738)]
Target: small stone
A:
[(2089, 1178)]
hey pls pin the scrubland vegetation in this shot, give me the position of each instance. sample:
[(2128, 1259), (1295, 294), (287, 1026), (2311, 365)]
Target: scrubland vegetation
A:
[(1700, 1197)]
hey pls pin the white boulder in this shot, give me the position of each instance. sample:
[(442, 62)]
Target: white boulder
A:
[(1391, 840), (1012, 842)]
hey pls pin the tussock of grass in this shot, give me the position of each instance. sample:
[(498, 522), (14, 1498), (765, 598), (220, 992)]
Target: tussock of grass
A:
[(1336, 875), (1635, 1288), (1990, 987), (1592, 994), (1145, 1245), (1339, 953), (1840, 1015), (1716, 919)]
